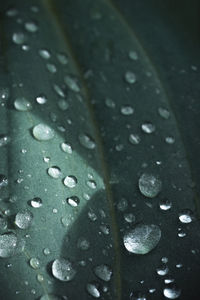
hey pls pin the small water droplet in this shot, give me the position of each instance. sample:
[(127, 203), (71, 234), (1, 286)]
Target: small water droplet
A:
[(4, 93), (130, 77), (36, 202), (44, 53), (162, 271), (40, 278), (170, 140), (63, 269), (164, 113), (31, 26), (149, 185), (91, 184), (22, 104), (23, 219), (165, 204), (59, 91), (103, 272), (133, 55), (51, 297), (148, 127), (171, 291), (4, 140), (70, 181), (62, 58), (72, 83), (109, 103), (41, 99), (92, 290), (34, 263), (43, 132), (63, 104), (12, 12), (127, 110), (73, 201), (66, 148), (3, 181), (83, 244), (134, 139), (186, 216), (54, 172), (92, 216), (129, 217), (122, 204), (87, 141), (51, 68), (142, 239), (18, 38)]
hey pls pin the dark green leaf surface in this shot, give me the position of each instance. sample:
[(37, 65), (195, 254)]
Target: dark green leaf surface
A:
[(97, 39)]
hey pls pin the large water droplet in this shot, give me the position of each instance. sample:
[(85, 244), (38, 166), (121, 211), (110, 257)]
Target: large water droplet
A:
[(104, 272), (171, 291), (54, 172), (31, 26), (70, 181), (72, 83), (149, 185), (22, 104), (43, 132), (142, 239), (73, 201), (130, 77), (186, 216), (87, 141), (23, 219), (148, 127), (8, 244), (18, 38), (63, 269), (93, 290)]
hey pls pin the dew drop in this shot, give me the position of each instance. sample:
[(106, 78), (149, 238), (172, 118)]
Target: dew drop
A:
[(164, 113), (70, 181), (83, 244), (44, 53), (54, 172), (36, 202), (51, 68), (72, 83), (148, 127), (62, 58), (66, 148), (59, 91), (129, 217), (149, 185), (46, 251), (109, 103), (130, 77), (133, 55), (87, 141), (171, 292), (92, 290), (18, 38), (91, 184), (50, 297), (142, 239), (103, 272), (63, 269), (73, 201), (165, 204), (127, 110), (186, 216), (43, 132), (12, 12), (31, 26), (134, 139), (162, 271), (8, 244), (22, 104), (23, 219), (63, 104), (41, 99), (4, 93), (34, 263)]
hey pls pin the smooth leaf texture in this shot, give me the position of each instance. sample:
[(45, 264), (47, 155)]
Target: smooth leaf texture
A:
[(100, 123)]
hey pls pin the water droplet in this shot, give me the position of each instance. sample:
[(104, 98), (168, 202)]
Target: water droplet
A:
[(23, 219), (18, 38), (46, 251), (129, 217), (8, 244), (122, 204), (43, 132), (4, 93), (148, 127), (171, 292), (3, 181), (12, 12), (51, 68), (59, 91), (25, 47), (22, 104), (91, 184), (66, 148), (149, 185), (72, 83), (62, 58), (44, 53), (170, 140), (92, 216), (134, 139), (36, 202), (41, 99), (63, 104), (142, 239), (40, 278), (87, 141), (133, 55), (127, 110), (73, 201), (54, 172), (164, 113), (103, 272), (31, 26), (164, 260), (138, 296), (130, 77), (92, 290), (34, 263), (162, 271), (3, 223), (70, 181), (63, 269), (165, 204), (109, 103), (186, 216), (50, 297), (83, 244)]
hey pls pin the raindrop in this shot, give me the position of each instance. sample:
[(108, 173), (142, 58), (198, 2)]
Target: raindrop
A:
[(36, 202), (133, 55), (186, 216), (149, 185), (92, 290), (51, 68), (66, 147), (72, 83), (103, 272), (86, 141), (83, 244), (43, 132), (34, 263), (142, 239), (148, 127), (164, 113), (41, 99), (127, 110), (91, 184), (31, 26), (73, 201), (3, 181), (63, 104), (70, 181), (63, 269), (134, 139), (54, 172), (8, 244), (18, 38), (23, 219), (62, 58), (171, 292), (165, 204), (22, 104), (44, 53), (130, 77)]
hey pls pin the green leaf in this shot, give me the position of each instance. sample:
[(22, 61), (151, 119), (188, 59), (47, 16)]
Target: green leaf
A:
[(110, 157)]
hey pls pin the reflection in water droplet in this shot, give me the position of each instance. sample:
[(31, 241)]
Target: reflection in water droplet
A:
[(23, 219), (134, 139), (148, 127), (22, 104), (54, 172), (44, 53), (41, 99), (66, 148), (36, 202), (72, 83), (130, 77), (103, 272), (186, 216), (92, 290), (18, 38), (73, 201), (34, 263), (142, 239), (63, 269), (172, 291), (149, 185), (86, 141), (70, 181), (43, 132), (127, 110), (31, 26)]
